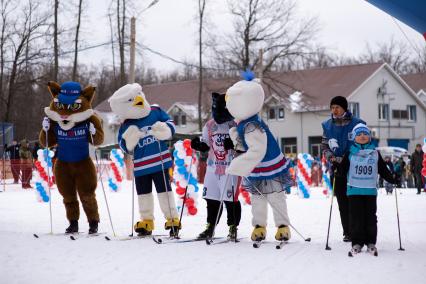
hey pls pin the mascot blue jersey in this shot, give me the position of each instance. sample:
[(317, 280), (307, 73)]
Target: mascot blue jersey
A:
[(73, 144), (274, 163), (146, 158)]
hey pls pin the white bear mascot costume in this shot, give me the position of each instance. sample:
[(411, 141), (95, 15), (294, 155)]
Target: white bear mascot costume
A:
[(263, 165), (142, 133)]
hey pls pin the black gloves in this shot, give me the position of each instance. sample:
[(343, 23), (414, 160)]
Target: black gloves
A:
[(197, 145), (228, 144)]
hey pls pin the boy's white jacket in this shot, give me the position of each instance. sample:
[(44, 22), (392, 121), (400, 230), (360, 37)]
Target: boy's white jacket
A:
[(244, 100), (129, 102)]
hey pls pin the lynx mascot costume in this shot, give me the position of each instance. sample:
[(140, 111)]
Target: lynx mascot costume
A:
[(143, 132), (71, 125), (263, 165)]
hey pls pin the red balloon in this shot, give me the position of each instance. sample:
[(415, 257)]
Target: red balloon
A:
[(424, 163), (187, 143), (190, 202), (189, 152), (180, 190), (192, 210), (424, 172)]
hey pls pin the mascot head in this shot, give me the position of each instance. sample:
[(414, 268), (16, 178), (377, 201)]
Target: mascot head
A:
[(70, 104), (129, 102), (219, 111), (245, 98)]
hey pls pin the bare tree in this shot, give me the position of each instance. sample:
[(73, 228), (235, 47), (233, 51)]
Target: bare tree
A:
[(201, 10), (394, 53), (55, 43), (270, 25), (77, 31), (6, 9)]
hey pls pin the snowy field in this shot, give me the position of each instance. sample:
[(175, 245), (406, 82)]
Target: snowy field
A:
[(57, 259)]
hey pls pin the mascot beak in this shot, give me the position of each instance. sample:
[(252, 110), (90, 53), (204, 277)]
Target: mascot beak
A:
[(138, 102)]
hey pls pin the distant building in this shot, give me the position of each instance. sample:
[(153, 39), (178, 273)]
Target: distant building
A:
[(297, 102)]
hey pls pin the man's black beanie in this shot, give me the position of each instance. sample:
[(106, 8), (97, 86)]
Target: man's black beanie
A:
[(340, 101)]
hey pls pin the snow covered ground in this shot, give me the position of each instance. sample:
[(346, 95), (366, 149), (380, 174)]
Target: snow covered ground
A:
[(57, 259)]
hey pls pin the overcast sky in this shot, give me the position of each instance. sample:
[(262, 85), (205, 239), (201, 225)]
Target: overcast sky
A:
[(170, 28)]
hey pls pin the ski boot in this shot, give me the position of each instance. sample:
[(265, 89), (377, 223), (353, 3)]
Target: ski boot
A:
[(93, 227), (144, 228), (355, 250), (207, 233), (372, 249), (232, 235), (346, 238), (72, 228), (258, 234), (283, 233), (174, 226)]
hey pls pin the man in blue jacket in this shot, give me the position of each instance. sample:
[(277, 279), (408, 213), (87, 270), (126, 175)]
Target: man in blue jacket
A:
[(336, 140)]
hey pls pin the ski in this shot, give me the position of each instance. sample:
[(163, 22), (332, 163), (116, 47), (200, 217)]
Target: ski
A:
[(176, 240), (37, 236), (129, 238), (278, 244), (281, 244), (218, 241), (78, 236), (373, 252), (258, 243)]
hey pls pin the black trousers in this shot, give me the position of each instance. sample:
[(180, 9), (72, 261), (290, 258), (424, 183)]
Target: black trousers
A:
[(363, 219), (418, 180), (342, 199), (232, 208), (144, 183)]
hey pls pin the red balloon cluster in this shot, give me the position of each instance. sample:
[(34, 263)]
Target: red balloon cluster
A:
[(246, 196), (302, 170), (424, 165), (116, 172), (43, 173)]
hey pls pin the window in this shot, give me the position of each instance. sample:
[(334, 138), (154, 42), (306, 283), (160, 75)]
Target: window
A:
[(354, 109), (275, 113), (315, 146), (281, 113), (412, 113), (183, 120), (176, 119), (271, 113), (289, 146), (383, 112), (399, 114)]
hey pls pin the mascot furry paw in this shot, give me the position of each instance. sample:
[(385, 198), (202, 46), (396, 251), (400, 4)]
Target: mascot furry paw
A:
[(70, 126), (263, 165), (142, 134)]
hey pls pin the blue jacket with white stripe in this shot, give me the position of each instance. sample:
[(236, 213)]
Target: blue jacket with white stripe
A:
[(146, 157)]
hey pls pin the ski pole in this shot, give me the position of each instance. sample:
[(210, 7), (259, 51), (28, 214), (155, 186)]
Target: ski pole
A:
[(46, 154), (102, 185), (231, 157), (397, 217), (327, 247), (174, 232), (186, 190), (255, 187), (133, 197), (219, 211)]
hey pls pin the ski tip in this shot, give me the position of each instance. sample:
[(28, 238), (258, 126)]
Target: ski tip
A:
[(278, 247), (327, 248), (73, 238), (209, 242), (350, 254), (157, 240), (107, 238), (308, 240), (256, 245), (36, 236)]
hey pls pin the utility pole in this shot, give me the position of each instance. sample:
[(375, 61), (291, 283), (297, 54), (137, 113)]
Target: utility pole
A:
[(132, 49)]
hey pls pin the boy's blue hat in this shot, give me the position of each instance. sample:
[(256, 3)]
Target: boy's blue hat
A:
[(360, 128), (70, 91)]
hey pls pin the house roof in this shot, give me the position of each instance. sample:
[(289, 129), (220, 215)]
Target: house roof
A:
[(416, 82), (317, 86)]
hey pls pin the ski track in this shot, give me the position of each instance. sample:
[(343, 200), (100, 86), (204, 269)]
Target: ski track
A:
[(57, 259)]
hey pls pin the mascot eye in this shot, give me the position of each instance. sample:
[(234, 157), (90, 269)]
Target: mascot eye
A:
[(59, 105), (75, 106), (130, 100)]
